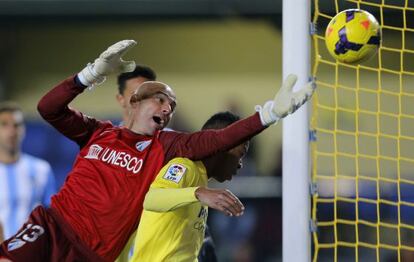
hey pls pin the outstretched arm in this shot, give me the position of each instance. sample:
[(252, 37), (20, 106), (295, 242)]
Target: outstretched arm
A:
[(110, 61), (286, 101), (202, 144), (53, 107)]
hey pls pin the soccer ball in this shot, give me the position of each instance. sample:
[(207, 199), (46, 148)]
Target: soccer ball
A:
[(353, 36)]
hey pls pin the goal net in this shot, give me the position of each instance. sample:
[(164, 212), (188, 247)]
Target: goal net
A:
[(362, 149)]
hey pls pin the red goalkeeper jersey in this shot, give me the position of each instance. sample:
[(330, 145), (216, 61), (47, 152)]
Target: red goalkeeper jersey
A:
[(102, 197)]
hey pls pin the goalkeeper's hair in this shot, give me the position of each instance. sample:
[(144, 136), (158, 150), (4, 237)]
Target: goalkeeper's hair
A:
[(220, 120), (10, 107), (140, 71)]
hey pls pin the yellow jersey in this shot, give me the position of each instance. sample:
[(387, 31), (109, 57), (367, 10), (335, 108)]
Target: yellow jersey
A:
[(176, 233)]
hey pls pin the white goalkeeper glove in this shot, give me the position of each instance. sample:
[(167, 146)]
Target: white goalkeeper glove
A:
[(108, 62), (285, 102)]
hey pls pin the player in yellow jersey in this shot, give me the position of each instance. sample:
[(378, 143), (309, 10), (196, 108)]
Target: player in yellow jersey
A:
[(176, 206)]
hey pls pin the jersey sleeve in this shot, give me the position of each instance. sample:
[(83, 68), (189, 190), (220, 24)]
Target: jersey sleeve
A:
[(199, 145), (54, 108), (173, 187)]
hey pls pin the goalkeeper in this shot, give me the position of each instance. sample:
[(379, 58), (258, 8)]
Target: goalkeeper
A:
[(175, 208), (98, 207)]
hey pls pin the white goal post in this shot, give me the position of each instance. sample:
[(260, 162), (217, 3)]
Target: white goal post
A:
[(296, 156)]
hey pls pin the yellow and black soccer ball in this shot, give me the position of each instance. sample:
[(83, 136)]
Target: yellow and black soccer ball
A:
[(353, 36)]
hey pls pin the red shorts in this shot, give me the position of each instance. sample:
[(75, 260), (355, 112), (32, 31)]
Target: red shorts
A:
[(45, 238)]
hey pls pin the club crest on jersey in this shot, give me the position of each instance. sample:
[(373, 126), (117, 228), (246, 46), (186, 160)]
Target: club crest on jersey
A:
[(175, 172), (140, 146), (94, 151), (15, 244)]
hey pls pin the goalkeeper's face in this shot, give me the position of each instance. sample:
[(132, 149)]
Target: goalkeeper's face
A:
[(230, 162), (151, 108), (11, 131)]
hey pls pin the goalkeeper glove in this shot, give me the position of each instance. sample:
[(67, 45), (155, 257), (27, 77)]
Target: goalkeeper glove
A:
[(285, 102), (108, 62)]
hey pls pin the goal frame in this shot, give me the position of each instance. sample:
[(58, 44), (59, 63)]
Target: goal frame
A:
[(296, 18)]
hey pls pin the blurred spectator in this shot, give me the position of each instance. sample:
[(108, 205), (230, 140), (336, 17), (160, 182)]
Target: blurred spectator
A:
[(25, 181)]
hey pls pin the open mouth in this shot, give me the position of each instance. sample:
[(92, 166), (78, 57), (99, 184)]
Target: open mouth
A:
[(158, 120)]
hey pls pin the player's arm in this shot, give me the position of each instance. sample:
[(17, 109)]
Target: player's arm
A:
[(169, 199), (177, 185), (220, 199), (201, 144), (53, 107), (173, 187)]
